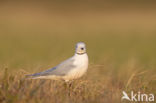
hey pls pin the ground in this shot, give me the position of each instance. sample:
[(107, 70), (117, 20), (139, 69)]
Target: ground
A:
[(120, 45)]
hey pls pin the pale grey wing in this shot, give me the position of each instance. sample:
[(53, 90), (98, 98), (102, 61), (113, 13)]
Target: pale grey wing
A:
[(60, 70)]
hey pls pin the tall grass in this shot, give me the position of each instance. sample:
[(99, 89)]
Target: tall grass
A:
[(101, 84), (120, 45)]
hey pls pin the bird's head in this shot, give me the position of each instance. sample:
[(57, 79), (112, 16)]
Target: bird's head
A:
[(80, 48)]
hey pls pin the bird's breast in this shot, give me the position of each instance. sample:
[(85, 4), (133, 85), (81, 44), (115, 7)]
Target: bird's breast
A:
[(81, 65), (81, 60)]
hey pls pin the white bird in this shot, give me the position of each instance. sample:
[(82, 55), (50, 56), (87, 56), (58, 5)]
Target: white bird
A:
[(72, 68)]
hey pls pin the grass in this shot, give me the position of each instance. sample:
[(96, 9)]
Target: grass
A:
[(120, 45), (101, 84)]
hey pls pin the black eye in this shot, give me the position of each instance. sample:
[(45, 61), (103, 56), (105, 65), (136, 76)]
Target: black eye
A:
[(82, 48)]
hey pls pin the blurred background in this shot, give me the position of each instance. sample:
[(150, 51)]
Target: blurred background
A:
[(40, 34), (36, 35)]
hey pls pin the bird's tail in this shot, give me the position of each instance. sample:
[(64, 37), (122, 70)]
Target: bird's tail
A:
[(29, 76)]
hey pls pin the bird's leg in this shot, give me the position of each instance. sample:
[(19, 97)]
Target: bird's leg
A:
[(69, 87)]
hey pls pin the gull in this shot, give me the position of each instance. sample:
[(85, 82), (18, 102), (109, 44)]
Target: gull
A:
[(70, 69)]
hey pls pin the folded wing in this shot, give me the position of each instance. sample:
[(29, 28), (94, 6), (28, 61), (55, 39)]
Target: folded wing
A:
[(60, 70)]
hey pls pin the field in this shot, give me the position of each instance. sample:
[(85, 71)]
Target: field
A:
[(121, 45)]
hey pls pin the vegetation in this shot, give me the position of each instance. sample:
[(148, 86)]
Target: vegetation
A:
[(120, 44)]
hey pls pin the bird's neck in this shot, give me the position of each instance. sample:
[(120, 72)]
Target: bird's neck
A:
[(81, 55)]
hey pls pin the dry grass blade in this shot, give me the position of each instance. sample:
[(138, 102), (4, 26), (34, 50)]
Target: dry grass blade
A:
[(130, 79)]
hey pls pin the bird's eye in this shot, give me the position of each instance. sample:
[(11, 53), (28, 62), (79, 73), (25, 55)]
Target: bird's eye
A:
[(82, 48)]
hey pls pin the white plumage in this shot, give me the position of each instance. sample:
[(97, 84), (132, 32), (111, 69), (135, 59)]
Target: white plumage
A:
[(70, 69)]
